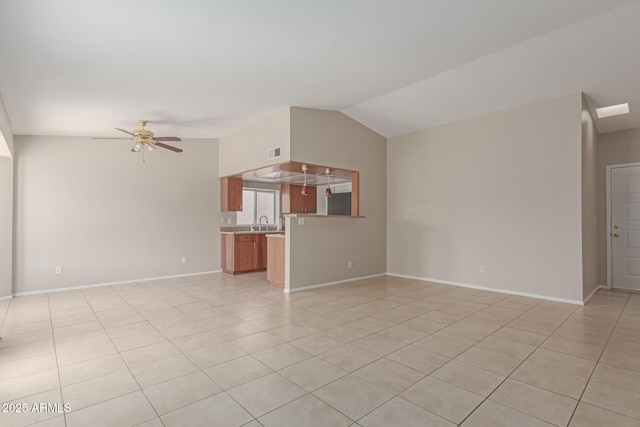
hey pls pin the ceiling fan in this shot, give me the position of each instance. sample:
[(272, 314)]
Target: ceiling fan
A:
[(145, 139)]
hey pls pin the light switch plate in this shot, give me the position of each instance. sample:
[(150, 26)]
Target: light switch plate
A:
[(300, 221)]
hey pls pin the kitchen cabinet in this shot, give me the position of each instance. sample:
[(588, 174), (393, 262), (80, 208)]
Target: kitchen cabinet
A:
[(242, 253), (230, 194), (261, 247), (275, 260), (294, 202)]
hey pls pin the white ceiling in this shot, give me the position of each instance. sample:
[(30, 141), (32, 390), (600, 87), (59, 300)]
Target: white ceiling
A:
[(201, 69)]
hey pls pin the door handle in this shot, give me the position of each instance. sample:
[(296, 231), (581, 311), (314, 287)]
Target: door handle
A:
[(616, 235), (615, 227)]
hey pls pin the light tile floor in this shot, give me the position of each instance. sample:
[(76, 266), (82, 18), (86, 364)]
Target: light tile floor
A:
[(218, 350)]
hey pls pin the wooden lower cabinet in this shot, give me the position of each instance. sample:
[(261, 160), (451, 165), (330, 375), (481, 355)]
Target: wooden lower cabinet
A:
[(242, 253), (275, 261)]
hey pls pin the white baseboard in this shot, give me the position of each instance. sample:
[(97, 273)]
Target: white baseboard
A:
[(123, 282), (7, 298), (486, 288), (586, 300), (323, 285)]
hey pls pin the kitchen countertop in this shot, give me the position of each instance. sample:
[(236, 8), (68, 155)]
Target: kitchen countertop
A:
[(279, 235), (253, 232), (309, 215)]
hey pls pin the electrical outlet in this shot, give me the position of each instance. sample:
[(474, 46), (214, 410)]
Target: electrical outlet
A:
[(483, 269), (228, 220), (184, 259), (349, 264), (300, 221), (58, 269)]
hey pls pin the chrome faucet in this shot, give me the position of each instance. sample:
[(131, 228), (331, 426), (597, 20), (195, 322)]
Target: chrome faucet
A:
[(266, 225)]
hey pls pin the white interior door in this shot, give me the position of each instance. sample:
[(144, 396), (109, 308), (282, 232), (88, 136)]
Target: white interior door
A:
[(624, 227)]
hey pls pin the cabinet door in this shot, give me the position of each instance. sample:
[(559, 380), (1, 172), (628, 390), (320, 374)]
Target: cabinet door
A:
[(275, 261), (294, 202), (297, 199), (244, 253), (289, 198), (261, 252), (311, 201), (230, 194), (226, 254)]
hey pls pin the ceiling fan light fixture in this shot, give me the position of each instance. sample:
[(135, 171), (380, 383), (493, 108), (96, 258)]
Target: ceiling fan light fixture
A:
[(144, 138)]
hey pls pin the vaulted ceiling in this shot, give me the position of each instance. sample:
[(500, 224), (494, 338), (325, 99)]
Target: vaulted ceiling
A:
[(202, 69)]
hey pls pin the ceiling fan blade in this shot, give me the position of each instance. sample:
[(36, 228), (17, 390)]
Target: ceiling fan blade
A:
[(168, 147), (167, 138), (128, 139), (125, 131)]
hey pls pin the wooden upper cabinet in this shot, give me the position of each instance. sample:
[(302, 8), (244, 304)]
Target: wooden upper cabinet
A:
[(230, 194), (311, 200), (294, 202)]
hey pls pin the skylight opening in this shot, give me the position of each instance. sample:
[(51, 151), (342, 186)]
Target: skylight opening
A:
[(612, 110)]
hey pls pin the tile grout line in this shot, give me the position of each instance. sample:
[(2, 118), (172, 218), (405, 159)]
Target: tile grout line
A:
[(55, 352), (129, 368), (225, 391), (124, 361), (538, 347), (598, 361), (520, 364), (507, 376), (348, 373), (428, 375), (405, 346), (57, 366), (170, 340), (194, 294)]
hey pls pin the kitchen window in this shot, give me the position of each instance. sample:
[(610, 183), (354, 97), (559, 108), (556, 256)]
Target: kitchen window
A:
[(257, 202)]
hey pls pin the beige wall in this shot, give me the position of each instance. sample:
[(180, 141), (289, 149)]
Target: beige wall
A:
[(589, 203), (503, 190), (6, 226), (95, 209), (321, 248), (6, 204), (6, 133), (246, 149), (613, 148)]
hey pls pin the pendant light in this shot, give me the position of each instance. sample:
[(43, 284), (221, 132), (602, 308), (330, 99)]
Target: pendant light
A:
[(305, 190), (328, 192)]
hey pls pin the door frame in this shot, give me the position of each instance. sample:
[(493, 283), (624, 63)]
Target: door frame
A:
[(608, 231)]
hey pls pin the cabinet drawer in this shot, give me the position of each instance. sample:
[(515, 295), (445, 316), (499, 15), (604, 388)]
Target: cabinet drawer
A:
[(244, 238)]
